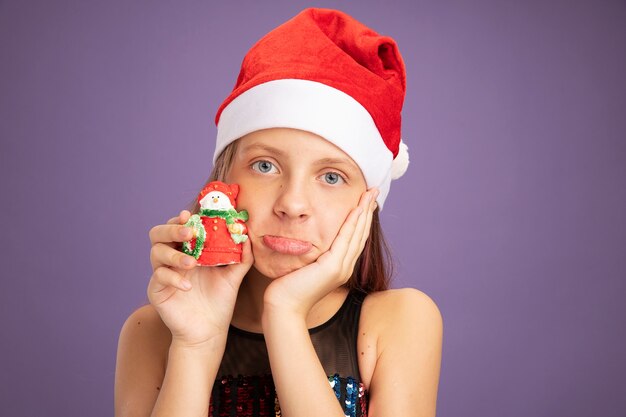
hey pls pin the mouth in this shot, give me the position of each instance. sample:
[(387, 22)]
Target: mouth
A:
[(286, 245)]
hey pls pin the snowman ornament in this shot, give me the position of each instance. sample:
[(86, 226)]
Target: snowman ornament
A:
[(219, 229)]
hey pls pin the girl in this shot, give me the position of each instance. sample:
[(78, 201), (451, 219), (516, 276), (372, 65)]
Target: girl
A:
[(305, 324)]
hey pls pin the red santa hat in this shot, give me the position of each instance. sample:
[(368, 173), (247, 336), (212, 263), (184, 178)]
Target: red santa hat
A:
[(229, 191), (324, 72)]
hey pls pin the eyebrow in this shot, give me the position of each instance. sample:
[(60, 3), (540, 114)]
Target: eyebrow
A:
[(266, 148), (333, 161)]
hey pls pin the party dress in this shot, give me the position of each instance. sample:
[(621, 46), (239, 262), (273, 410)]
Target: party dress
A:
[(244, 386)]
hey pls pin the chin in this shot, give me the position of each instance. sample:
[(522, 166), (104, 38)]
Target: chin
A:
[(273, 270), (272, 264), (277, 265)]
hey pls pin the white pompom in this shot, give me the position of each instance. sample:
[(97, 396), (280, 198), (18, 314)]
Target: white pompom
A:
[(400, 162)]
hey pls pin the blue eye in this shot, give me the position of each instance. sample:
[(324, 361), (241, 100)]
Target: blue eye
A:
[(263, 166), (333, 178)]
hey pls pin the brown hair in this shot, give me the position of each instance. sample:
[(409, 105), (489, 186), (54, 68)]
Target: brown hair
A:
[(374, 268)]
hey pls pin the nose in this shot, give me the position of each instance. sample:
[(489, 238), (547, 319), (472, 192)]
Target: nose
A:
[(294, 200)]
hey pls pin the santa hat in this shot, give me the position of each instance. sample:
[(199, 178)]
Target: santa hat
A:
[(326, 73), (229, 191)]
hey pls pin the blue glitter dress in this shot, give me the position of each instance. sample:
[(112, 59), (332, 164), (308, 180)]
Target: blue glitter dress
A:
[(245, 386)]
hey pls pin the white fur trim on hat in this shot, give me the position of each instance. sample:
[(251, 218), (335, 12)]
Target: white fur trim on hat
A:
[(400, 162), (314, 107)]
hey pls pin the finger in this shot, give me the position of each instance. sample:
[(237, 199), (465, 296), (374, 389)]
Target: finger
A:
[(368, 222), (164, 283), (168, 233), (341, 243), (354, 246), (336, 257), (162, 254), (356, 251), (247, 259), (238, 271), (182, 218)]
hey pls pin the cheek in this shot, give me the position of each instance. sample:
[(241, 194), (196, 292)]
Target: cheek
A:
[(332, 219), (245, 198), (257, 212)]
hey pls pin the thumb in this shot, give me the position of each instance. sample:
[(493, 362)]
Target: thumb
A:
[(241, 269), (247, 259)]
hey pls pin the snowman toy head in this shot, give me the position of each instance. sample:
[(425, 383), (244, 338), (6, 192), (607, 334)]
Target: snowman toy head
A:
[(218, 196), (216, 200)]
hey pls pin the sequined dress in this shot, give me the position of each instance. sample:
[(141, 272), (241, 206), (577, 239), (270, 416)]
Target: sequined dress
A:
[(245, 386)]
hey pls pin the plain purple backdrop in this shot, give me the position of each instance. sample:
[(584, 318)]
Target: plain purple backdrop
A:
[(512, 216)]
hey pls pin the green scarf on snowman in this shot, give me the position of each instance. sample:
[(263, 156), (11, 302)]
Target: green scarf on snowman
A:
[(195, 222)]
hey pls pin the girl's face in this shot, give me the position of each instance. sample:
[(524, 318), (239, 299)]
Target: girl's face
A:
[(298, 189)]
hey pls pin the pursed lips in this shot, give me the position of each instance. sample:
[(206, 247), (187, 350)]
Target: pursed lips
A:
[(288, 246)]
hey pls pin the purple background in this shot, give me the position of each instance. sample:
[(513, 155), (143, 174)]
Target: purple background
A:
[(512, 216)]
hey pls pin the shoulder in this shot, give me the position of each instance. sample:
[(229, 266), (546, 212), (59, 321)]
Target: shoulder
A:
[(144, 336), (145, 325), (393, 324), (406, 327), (406, 307)]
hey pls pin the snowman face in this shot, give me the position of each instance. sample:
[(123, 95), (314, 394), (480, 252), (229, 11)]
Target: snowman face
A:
[(216, 200), (298, 189)]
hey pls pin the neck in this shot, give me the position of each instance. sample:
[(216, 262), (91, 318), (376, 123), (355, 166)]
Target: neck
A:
[(249, 306)]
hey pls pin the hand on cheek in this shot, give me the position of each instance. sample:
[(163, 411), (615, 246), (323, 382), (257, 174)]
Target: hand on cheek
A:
[(299, 290)]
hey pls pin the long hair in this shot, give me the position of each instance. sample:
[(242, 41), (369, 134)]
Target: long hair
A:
[(374, 267)]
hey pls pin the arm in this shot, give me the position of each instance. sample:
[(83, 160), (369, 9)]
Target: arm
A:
[(167, 366), (406, 375), (140, 366), (407, 362), (301, 383), (189, 378), (155, 377)]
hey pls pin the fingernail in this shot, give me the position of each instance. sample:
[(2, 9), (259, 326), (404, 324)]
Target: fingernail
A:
[(188, 261), (184, 232), (186, 284)]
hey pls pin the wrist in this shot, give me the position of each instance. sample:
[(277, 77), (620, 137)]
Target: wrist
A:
[(279, 315), (208, 347), (277, 302)]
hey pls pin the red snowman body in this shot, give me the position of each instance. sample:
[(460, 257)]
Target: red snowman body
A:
[(223, 226), (219, 247)]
